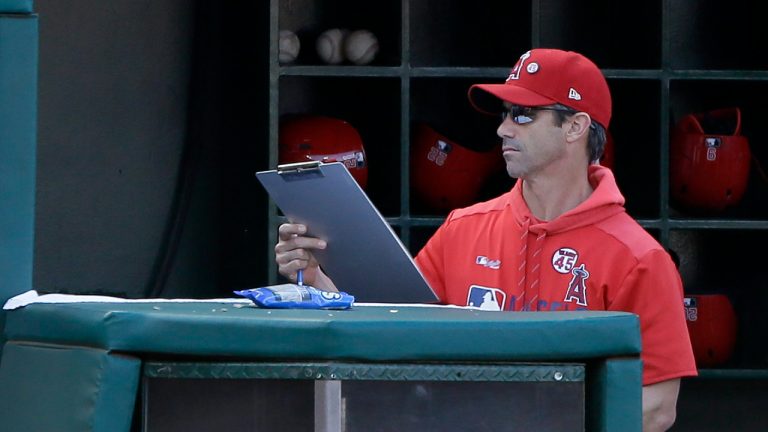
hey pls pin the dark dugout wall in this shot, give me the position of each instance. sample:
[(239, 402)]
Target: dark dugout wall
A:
[(149, 134)]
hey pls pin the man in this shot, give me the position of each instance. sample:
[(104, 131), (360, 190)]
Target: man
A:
[(560, 239)]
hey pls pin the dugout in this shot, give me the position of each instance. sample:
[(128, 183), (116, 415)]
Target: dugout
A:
[(130, 131)]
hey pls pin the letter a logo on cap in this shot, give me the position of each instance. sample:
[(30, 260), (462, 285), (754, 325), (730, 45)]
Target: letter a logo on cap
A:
[(515, 73), (573, 94)]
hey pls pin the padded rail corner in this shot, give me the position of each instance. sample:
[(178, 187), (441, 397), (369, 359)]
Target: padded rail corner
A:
[(57, 388)]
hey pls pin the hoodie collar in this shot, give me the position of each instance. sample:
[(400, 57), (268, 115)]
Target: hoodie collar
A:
[(605, 201)]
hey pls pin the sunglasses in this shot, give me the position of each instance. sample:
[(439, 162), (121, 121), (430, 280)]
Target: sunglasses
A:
[(523, 115)]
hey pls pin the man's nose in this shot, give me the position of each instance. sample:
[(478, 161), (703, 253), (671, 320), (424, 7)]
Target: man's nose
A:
[(506, 128)]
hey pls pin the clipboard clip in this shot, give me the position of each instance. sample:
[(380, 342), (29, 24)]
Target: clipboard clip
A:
[(299, 167), (300, 171)]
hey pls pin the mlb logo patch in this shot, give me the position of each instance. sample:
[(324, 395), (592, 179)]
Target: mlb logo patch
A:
[(486, 298)]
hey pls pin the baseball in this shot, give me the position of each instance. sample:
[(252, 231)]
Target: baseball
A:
[(330, 45), (289, 46), (361, 47)]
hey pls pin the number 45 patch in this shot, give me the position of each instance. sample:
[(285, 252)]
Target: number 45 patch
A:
[(564, 259)]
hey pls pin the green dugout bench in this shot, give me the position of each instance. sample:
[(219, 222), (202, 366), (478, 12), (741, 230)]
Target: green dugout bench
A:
[(163, 366)]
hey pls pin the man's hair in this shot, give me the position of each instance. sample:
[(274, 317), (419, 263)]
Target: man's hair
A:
[(597, 136)]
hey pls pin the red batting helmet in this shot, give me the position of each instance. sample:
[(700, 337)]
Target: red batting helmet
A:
[(709, 160), (712, 328), (326, 139), (608, 159), (446, 175)]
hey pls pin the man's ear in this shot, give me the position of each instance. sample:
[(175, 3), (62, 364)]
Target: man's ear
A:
[(577, 127)]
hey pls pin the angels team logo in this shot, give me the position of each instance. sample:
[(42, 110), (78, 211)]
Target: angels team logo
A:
[(577, 289), (515, 73), (564, 259), (486, 298)]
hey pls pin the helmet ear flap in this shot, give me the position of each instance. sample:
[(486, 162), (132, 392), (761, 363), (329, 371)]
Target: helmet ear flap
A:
[(709, 161), (326, 139)]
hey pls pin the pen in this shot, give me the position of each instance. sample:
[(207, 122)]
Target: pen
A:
[(300, 277)]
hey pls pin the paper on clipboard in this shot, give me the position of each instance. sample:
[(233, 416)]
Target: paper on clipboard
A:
[(364, 257)]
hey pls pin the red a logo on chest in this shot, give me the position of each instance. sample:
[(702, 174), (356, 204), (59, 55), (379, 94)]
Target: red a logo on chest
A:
[(577, 289)]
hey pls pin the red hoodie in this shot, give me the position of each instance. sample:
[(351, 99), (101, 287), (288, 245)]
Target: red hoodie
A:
[(496, 255)]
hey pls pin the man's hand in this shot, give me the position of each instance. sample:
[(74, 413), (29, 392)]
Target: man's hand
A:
[(293, 252)]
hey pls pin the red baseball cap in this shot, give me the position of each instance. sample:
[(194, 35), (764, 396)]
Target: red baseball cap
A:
[(545, 77)]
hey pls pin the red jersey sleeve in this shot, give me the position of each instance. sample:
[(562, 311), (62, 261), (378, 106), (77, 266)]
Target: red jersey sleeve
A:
[(653, 290), (430, 261)]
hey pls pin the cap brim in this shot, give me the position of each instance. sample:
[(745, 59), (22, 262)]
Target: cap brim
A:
[(490, 98)]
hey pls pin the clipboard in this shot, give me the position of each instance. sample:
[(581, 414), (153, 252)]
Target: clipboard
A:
[(364, 256)]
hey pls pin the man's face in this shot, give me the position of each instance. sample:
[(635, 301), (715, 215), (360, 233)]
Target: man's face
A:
[(531, 142)]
